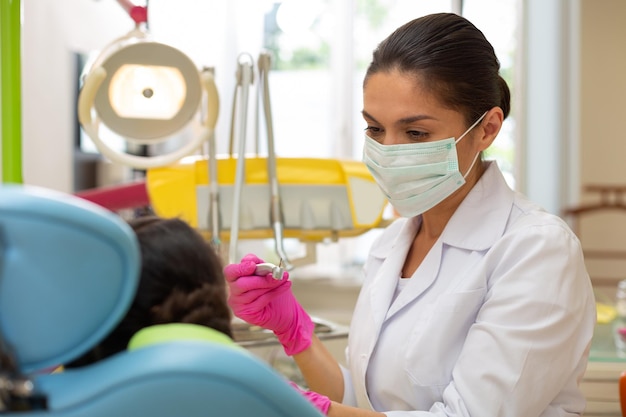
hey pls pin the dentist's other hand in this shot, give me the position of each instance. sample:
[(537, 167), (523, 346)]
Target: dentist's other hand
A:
[(321, 402), (269, 303)]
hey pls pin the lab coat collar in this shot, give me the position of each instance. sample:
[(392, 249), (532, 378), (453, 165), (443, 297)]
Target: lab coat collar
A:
[(482, 216), (393, 253), (404, 229)]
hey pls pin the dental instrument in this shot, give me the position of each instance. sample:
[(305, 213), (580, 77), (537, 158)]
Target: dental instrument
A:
[(277, 218), (244, 80), (214, 217), (265, 268)]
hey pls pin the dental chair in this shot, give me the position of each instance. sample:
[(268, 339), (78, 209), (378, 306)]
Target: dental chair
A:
[(68, 273)]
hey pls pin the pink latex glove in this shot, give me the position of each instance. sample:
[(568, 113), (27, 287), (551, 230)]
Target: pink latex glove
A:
[(321, 402), (269, 303)]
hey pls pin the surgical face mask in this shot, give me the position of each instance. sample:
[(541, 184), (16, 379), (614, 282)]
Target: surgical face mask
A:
[(415, 177)]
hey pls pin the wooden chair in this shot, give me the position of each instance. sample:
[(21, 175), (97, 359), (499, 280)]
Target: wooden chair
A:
[(610, 199)]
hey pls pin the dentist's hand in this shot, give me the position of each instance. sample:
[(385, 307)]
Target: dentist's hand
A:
[(269, 303), (321, 402)]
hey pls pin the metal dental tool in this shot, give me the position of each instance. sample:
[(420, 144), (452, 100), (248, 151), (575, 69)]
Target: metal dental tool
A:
[(214, 219), (244, 80), (276, 210), (265, 268)]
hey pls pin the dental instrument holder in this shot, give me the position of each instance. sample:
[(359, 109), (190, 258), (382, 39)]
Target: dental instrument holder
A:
[(245, 78), (312, 200)]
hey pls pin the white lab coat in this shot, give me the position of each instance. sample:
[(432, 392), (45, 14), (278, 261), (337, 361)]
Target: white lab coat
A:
[(496, 321)]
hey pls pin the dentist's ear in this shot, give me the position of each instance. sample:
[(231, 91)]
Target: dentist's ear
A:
[(490, 126)]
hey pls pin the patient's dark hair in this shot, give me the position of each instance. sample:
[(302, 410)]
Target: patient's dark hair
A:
[(181, 282)]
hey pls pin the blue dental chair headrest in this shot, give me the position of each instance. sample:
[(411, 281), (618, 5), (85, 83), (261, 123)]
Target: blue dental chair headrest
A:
[(68, 273)]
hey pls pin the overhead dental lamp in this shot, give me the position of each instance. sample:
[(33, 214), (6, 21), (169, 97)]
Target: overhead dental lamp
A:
[(145, 92)]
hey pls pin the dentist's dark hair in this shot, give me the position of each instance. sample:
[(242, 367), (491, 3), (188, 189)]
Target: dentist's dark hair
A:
[(449, 57)]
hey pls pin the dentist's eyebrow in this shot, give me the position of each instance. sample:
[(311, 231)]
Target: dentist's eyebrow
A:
[(412, 119), (369, 116), (403, 121)]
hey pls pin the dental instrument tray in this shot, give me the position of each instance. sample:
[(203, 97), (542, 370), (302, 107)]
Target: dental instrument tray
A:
[(321, 198)]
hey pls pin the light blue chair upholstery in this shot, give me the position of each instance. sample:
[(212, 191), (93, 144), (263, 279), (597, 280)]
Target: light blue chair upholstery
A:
[(68, 273)]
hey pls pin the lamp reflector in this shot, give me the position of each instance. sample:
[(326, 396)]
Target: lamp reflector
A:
[(147, 91)]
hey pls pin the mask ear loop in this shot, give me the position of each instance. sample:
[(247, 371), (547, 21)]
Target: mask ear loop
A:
[(470, 128), (471, 166), (461, 137)]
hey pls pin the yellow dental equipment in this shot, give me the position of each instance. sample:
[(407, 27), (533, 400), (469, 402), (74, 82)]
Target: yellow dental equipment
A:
[(321, 198)]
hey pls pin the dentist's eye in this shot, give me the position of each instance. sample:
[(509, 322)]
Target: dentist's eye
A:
[(417, 135), (372, 129), (374, 132)]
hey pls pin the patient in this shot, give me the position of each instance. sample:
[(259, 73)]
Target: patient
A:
[(181, 282)]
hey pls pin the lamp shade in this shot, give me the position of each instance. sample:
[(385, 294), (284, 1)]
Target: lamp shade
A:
[(146, 92)]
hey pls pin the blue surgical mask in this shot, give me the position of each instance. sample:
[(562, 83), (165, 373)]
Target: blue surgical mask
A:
[(415, 177)]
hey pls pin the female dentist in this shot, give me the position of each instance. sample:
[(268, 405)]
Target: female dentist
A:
[(476, 302)]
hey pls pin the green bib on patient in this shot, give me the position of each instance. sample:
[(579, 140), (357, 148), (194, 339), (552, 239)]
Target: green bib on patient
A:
[(171, 332)]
